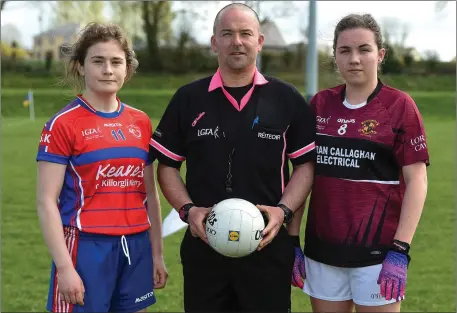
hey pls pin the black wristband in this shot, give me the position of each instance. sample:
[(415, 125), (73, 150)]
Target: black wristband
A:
[(400, 246)]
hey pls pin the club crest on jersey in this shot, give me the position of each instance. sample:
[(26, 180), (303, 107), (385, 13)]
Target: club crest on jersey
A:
[(134, 130), (368, 127)]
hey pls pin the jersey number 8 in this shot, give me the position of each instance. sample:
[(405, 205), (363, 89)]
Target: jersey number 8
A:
[(342, 129)]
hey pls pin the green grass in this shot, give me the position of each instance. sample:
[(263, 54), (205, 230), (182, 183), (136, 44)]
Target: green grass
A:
[(327, 79), (154, 102), (26, 261)]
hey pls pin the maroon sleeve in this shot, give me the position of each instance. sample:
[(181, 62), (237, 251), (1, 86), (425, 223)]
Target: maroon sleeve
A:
[(411, 144)]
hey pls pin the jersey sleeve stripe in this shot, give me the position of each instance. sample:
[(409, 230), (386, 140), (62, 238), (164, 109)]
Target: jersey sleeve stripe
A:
[(69, 198), (302, 151), (53, 158), (108, 154), (166, 152), (78, 221), (70, 108)]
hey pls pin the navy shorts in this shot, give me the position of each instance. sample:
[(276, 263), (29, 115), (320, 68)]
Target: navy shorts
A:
[(117, 273)]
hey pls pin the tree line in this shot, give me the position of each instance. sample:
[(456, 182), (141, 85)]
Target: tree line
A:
[(164, 36)]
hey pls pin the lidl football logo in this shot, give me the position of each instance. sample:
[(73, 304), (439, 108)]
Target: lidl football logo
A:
[(234, 235)]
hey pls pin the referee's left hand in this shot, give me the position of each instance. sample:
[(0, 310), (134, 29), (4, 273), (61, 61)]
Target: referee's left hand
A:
[(275, 217)]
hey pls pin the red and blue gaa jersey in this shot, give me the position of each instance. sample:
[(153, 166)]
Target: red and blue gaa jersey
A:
[(105, 154)]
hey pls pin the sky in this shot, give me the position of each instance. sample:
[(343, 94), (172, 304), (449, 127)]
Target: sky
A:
[(428, 30)]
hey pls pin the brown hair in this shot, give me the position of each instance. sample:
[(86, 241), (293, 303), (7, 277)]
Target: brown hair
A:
[(352, 21), (90, 35)]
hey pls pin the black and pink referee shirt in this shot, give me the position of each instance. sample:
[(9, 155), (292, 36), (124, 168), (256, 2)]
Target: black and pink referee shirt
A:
[(251, 139)]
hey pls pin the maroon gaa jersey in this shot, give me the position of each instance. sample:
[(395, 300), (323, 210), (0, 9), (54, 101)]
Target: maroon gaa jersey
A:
[(358, 190)]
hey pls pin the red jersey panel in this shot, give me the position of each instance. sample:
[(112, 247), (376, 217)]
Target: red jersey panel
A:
[(105, 154), (358, 190)]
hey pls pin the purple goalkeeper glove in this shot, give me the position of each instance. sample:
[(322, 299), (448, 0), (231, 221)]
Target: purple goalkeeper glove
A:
[(392, 278), (298, 272)]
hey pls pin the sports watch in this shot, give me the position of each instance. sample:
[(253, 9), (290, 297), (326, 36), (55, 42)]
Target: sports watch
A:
[(184, 211), (288, 214)]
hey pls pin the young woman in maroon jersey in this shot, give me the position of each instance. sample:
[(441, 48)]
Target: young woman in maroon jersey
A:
[(96, 195), (370, 182)]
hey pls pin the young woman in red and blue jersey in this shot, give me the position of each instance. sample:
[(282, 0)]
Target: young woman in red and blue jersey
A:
[(370, 182), (97, 200)]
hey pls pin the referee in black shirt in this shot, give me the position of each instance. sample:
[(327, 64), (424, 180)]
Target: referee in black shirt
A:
[(237, 131)]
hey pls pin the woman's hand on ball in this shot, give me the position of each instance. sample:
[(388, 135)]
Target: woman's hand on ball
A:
[(275, 217), (196, 219)]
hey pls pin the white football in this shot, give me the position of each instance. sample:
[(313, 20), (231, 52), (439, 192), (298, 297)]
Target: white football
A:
[(234, 227)]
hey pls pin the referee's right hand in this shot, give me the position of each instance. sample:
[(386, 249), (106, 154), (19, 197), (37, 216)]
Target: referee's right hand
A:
[(196, 220), (71, 287)]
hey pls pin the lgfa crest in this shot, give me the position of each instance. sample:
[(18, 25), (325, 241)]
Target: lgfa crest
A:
[(368, 127)]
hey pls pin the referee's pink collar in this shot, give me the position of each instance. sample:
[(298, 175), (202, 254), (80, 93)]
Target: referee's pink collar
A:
[(216, 81)]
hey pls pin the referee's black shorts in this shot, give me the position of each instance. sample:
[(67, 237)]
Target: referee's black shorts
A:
[(259, 282)]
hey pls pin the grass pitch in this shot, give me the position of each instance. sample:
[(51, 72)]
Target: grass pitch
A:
[(26, 261)]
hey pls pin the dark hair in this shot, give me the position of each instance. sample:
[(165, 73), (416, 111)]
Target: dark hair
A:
[(352, 21), (234, 5), (90, 35)]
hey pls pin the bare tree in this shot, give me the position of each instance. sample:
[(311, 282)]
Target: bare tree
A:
[(62, 12), (11, 33), (395, 34), (304, 29), (82, 12), (127, 14), (157, 18), (432, 59), (390, 26), (186, 18), (268, 12), (198, 14)]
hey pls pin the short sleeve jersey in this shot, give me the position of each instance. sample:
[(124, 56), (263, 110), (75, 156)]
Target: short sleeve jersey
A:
[(236, 148), (105, 155), (358, 190)]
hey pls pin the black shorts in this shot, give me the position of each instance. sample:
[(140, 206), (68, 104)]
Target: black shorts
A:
[(259, 282)]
